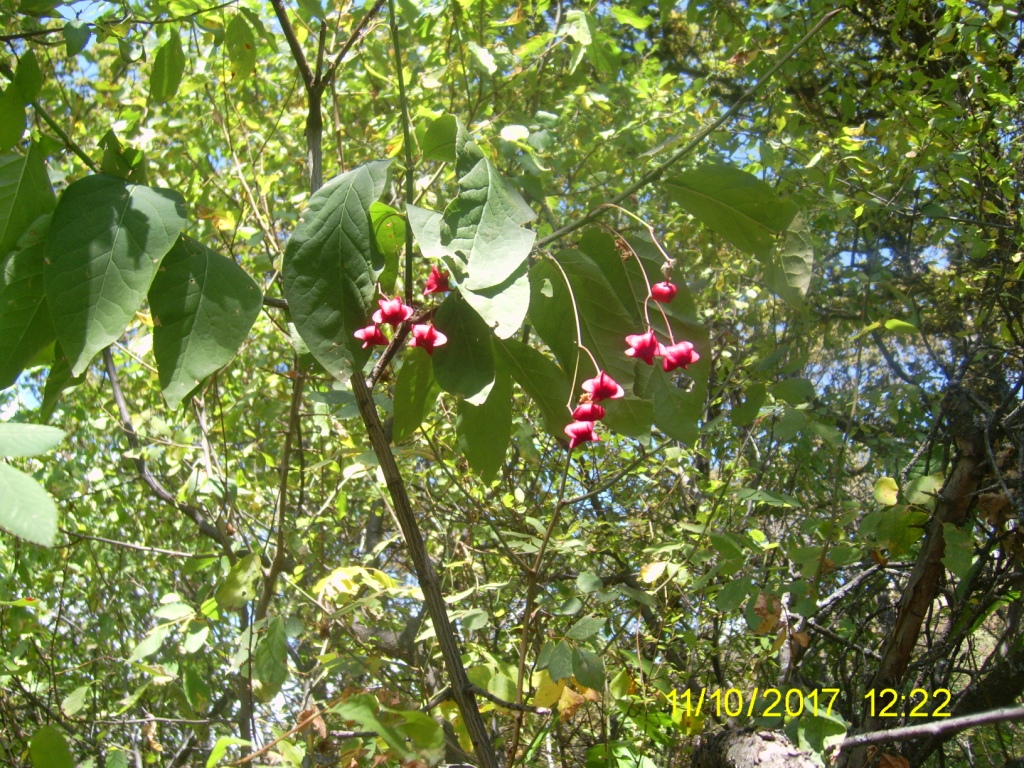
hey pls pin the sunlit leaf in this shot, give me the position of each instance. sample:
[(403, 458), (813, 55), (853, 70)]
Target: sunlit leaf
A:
[(105, 244)]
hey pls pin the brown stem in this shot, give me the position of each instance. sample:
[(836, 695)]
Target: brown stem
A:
[(430, 584)]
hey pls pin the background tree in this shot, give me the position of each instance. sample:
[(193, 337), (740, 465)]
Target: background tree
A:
[(276, 543)]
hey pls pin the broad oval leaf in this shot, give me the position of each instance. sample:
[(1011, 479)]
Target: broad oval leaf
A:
[(26, 510), (241, 45), (734, 204), (484, 431), (886, 491), (465, 365), (239, 586), (415, 394), (597, 312), (503, 307), (25, 195), (203, 307), (484, 223), (49, 749), (25, 325), (106, 240), (542, 380), (331, 266), (167, 70), (28, 439), (270, 663)]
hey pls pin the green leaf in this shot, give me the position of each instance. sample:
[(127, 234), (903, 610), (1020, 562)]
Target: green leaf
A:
[(105, 244), (28, 76), (645, 598), (331, 266), (122, 161), (196, 688), (389, 230), (26, 510), (559, 663), (958, 554), (174, 611), (270, 663), (221, 748), (426, 230), (484, 222), (196, 637), (589, 582), (465, 365), (76, 36), (239, 587), (542, 380), (788, 272), (151, 643), (415, 393), (900, 326), (362, 709), (629, 17), (438, 141), (603, 321), (749, 409), (793, 391), (585, 628), (25, 325), (734, 204), (588, 668), (732, 595), (203, 308), (818, 732), (503, 307), (48, 749), (484, 431), (58, 381), (425, 733), (25, 195), (12, 117), (74, 701), (629, 416), (241, 47), (677, 411), (167, 70), (886, 491), (922, 491), (28, 439)]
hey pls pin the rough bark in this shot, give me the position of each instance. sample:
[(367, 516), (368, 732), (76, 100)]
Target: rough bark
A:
[(748, 748)]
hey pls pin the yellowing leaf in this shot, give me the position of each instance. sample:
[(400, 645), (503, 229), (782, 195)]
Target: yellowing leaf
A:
[(651, 572), (548, 691), (568, 703), (886, 491)]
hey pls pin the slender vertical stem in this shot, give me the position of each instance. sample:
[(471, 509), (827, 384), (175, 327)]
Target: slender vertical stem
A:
[(410, 186)]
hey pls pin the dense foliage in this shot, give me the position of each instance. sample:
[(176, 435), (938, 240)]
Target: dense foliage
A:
[(500, 382)]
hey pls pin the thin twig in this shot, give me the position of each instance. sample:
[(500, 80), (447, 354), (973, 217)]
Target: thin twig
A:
[(195, 515), (934, 728), (510, 704), (137, 547)]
